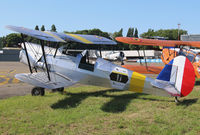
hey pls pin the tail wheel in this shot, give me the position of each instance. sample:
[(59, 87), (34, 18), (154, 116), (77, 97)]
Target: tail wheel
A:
[(36, 91)]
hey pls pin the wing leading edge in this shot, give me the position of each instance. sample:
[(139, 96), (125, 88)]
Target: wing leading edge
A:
[(154, 42), (63, 37), (35, 33)]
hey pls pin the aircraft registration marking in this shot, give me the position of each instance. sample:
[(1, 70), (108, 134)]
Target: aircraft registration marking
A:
[(80, 38), (137, 82)]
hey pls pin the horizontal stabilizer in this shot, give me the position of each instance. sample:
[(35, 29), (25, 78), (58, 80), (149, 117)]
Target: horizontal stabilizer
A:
[(40, 79), (166, 86)]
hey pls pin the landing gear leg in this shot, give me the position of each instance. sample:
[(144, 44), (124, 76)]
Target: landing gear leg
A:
[(36, 91), (176, 100)]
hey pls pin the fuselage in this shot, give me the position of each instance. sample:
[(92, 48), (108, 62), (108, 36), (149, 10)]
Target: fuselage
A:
[(103, 73), (99, 73)]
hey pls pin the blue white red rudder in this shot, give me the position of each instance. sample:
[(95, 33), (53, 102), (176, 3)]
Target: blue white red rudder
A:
[(180, 74)]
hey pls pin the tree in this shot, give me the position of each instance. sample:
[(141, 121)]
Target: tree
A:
[(36, 27), (136, 33), (120, 46), (148, 34), (1, 42), (53, 28), (171, 34), (12, 40), (42, 28), (98, 32), (118, 34), (130, 32)]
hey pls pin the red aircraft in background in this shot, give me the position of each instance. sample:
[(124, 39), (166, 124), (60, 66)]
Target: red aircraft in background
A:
[(167, 53)]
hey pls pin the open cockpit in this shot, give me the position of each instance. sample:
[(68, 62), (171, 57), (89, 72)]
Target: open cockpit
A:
[(85, 62)]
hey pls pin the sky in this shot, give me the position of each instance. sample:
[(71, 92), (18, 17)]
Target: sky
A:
[(107, 15)]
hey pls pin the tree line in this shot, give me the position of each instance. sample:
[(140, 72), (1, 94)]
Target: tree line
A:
[(13, 39)]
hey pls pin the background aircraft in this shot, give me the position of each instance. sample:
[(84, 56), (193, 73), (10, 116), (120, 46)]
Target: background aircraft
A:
[(168, 53), (55, 70), (154, 42)]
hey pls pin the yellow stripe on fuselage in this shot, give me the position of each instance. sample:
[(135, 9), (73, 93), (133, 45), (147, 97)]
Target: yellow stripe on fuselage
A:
[(51, 34), (137, 82), (80, 38)]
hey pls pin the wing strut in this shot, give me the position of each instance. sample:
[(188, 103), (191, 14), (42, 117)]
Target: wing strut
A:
[(57, 45), (45, 61), (145, 59), (139, 54), (100, 51), (29, 65), (174, 52)]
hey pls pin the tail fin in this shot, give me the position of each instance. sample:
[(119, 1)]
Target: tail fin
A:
[(177, 77)]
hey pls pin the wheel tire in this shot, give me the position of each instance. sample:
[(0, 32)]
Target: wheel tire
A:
[(36, 91)]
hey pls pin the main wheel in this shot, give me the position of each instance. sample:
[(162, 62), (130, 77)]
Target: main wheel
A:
[(36, 91)]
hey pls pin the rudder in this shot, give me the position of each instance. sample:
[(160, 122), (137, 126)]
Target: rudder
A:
[(180, 74)]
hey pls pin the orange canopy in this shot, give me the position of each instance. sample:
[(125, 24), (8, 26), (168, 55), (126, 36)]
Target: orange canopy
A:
[(154, 42)]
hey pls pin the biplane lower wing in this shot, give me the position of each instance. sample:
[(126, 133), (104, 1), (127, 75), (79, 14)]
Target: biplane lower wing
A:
[(40, 79)]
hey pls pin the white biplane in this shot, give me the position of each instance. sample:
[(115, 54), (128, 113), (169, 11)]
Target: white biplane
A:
[(54, 69)]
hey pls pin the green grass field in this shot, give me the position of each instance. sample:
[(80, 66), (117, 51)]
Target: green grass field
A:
[(95, 110)]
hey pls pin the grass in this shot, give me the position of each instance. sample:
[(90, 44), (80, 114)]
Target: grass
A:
[(95, 110)]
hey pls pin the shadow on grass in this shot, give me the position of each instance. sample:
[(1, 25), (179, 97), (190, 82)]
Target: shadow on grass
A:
[(117, 104), (187, 102), (154, 99), (76, 98)]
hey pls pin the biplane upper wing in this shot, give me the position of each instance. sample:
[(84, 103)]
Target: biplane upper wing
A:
[(85, 39), (63, 37), (154, 42), (40, 79), (36, 33)]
